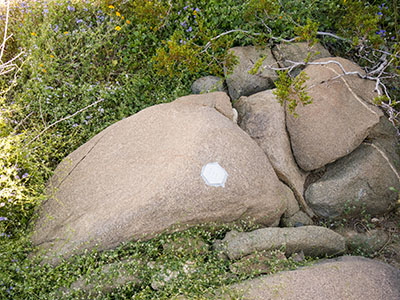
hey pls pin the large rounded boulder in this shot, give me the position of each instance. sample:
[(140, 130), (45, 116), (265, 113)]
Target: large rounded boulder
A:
[(167, 167), (339, 119)]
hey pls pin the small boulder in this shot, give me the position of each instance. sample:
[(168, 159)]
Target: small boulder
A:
[(347, 277), (263, 118), (312, 240), (365, 243), (361, 181), (297, 52), (339, 119), (298, 219), (208, 84), (240, 82)]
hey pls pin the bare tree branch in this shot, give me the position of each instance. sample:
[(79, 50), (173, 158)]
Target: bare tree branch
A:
[(61, 120)]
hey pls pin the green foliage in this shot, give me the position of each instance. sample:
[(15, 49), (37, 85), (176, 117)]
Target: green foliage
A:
[(257, 65), (199, 272), (263, 8), (292, 91), (360, 22), (307, 33)]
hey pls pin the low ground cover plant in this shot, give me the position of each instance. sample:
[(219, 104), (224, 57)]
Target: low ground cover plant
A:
[(69, 69)]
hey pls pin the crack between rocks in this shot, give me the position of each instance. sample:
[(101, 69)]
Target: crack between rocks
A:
[(274, 57), (386, 158), (76, 165), (352, 92), (300, 198)]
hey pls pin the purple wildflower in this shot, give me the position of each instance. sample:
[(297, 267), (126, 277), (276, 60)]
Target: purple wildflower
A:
[(189, 29), (3, 218), (70, 8), (25, 175)]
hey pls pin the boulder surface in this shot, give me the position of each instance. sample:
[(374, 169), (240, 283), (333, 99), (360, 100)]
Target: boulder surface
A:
[(143, 176), (297, 52), (344, 278), (340, 117), (361, 181), (312, 240), (263, 118), (208, 84), (240, 82)]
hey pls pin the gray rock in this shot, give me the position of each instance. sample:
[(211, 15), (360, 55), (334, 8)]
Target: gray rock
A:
[(240, 82), (143, 176), (312, 240), (208, 84), (365, 243), (343, 278), (339, 118), (384, 135), (263, 118), (296, 219), (297, 52), (358, 182)]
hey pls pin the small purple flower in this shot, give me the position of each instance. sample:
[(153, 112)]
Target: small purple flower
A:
[(55, 28), (25, 175), (381, 32), (183, 24), (3, 218), (45, 11), (189, 29), (79, 21), (70, 8), (75, 125), (179, 13), (186, 7)]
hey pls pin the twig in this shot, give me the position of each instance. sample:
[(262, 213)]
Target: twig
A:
[(208, 45), (332, 35), (168, 12), (3, 45), (20, 123), (61, 120)]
